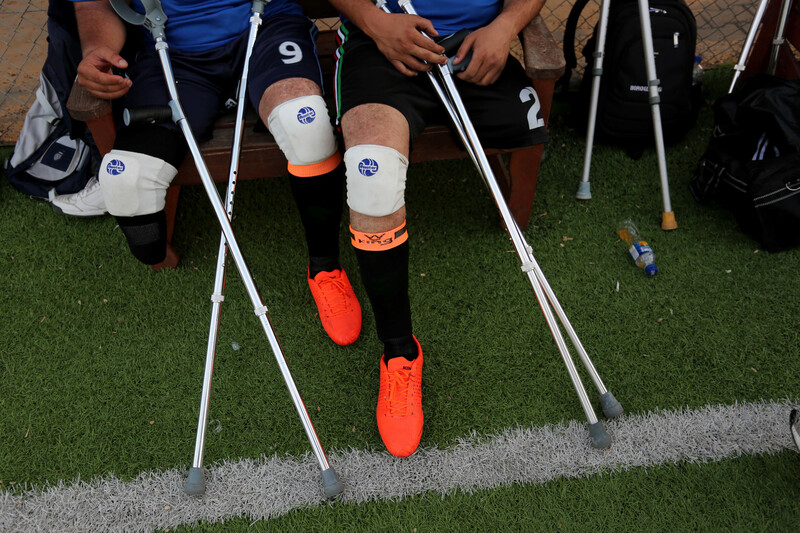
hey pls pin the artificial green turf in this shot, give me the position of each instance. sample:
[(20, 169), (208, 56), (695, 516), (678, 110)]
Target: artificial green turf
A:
[(103, 358), (749, 494)]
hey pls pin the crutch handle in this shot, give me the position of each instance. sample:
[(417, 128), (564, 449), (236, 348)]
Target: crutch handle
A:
[(451, 44), (147, 114), (154, 18)]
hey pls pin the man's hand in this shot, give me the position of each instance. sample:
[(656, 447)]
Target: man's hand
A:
[(489, 46), (399, 37), (95, 74)]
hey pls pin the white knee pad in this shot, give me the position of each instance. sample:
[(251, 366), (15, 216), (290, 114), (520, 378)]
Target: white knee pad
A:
[(303, 130), (134, 183), (376, 179)]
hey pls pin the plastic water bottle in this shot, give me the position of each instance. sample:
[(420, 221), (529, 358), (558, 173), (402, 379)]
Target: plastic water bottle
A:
[(697, 71), (640, 251)]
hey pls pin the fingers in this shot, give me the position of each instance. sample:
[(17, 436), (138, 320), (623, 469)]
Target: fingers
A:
[(480, 74), (95, 74), (101, 84), (106, 55), (105, 92), (400, 38), (464, 49), (486, 64), (404, 69), (426, 26), (420, 47)]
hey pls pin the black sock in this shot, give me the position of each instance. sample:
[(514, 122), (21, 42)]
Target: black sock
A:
[(385, 277), (402, 347), (319, 201), (320, 264)]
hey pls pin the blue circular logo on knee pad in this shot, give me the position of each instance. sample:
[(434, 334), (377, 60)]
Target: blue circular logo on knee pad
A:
[(115, 167), (368, 167), (306, 115)]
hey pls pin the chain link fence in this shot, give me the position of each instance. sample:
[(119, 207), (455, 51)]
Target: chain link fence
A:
[(722, 27)]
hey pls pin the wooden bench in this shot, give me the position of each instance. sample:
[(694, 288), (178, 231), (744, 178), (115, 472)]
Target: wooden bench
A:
[(261, 157)]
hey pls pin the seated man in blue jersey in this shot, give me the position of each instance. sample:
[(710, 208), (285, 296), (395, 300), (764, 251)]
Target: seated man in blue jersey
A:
[(208, 40), (383, 104)]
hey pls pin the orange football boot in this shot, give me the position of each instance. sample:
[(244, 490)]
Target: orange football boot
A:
[(338, 306), (399, 410)]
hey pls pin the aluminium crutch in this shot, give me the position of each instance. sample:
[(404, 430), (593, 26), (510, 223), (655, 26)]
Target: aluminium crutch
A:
[(195, 481), (779, 40), (154, 20), (544, 293), (668, 221), (740, 65)]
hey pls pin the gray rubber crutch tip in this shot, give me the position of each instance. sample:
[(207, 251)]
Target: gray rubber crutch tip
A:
[(332, 486), (611, 407), (600, 437), (583, 191), (195, 482)]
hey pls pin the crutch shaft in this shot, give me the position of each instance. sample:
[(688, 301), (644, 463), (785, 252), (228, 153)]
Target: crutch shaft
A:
[(455, 107), (562, 316), (258, 305), (519, 244), (778, 41), (748, 42), (597, 71), (652, 88), (611, 407), (219, 277), (216, 311)]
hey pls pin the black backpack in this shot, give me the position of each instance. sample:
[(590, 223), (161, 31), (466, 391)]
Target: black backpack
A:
[(624, 114), (54, 154)]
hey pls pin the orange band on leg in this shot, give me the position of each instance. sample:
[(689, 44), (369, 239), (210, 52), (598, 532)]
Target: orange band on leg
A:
[(376, 241), (317, 169)]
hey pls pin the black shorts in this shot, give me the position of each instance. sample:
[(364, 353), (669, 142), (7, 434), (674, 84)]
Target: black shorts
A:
[(506, 114), (285, 48)]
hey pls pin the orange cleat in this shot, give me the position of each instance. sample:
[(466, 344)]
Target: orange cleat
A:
[(399, 410), (338, 306)]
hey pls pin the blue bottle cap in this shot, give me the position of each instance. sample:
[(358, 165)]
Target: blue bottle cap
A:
[(650, 270)]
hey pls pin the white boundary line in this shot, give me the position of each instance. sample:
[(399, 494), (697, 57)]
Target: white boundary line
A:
[(271, 486)]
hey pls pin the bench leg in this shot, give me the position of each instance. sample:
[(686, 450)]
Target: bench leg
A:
[(523, 166), (171, 209), (524, 173), (517, 182)]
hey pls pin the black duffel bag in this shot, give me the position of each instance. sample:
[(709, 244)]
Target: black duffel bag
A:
[(752, 164)]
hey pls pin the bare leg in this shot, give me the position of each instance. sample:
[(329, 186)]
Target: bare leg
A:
[(382, 125), (283, 91)]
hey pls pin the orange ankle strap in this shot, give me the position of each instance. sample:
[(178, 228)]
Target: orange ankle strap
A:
[(379, 240)]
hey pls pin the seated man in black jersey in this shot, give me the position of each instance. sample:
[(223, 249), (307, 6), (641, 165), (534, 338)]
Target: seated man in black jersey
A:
[(383, 104)]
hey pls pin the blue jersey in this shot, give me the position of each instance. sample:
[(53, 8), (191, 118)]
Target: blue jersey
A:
[(200, 25), (449, 16)]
